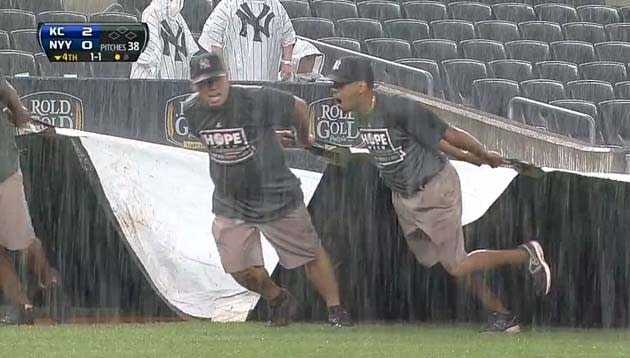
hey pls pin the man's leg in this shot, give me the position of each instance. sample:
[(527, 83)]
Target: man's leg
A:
[(322, 275), (38, 263), (257, 279), (483, 260), (297, 244), (9, 281)]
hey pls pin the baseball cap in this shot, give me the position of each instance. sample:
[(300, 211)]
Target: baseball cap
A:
[(350, 69), (205, 67)]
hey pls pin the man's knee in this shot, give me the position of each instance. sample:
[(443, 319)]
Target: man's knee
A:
[(454, 268), (251, 278)]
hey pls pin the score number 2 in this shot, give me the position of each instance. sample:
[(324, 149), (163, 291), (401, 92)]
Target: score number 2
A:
[(87, 32)]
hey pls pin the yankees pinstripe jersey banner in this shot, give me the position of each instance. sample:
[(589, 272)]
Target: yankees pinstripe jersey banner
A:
[(252, 34), (171, 45)]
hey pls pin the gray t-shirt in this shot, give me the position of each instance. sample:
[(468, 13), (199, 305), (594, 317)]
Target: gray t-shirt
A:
[(247, 163), (403, 138), (8, 148)]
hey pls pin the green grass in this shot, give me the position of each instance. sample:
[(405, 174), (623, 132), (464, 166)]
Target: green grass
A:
[(303, 340)]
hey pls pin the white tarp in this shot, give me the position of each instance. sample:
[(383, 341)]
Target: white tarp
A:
[(161, 197)]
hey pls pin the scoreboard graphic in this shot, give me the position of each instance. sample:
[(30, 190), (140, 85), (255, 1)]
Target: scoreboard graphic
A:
[(107, 42)]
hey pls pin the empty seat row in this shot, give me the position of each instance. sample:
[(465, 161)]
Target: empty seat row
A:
[(11, 20), (458, 30), (473, 11), (487, 50)]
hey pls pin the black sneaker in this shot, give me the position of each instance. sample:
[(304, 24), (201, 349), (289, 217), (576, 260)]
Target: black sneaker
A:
[(281, 312), (19, 315), (339, 317), (538, 268), (503, 322)]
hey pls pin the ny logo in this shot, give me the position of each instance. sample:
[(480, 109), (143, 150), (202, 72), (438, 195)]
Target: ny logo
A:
[(169, 38), (336, 65), (248, 18), (204, 64)]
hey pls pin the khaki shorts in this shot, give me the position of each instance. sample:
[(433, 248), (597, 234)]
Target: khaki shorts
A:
[(16, 229), (431, 219), (293, 237)]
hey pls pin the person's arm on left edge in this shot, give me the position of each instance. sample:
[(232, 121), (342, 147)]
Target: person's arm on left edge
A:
[(19, 115)]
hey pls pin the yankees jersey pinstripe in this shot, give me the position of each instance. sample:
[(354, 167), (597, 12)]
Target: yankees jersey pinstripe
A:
[(252, 34), (170, 47)]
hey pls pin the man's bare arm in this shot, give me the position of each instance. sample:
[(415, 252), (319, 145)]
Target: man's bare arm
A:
[(463, 141), (9, 97)]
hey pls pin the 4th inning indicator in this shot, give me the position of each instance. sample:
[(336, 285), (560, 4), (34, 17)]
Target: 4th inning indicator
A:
[(110, 42)]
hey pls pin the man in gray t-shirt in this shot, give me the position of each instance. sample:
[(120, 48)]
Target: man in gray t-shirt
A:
[(407, 142), (254, 190), (16, 230)]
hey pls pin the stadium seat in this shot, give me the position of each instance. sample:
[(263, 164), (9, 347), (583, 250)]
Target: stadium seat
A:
[(407, 29), (11, 20), (483, 50), (335, 10), (514, 12), (435, 49), (557, 70), (624, 12), (498, 30), (514, 70), (5, 44), (613, 51), (25, 40), (39, 6), (498, 2), (492, 95), (296, 8), (615, 116), (557, 13), (577, 3), (61, 16), (469, 11), (590, 90), (379, 10), (578, 105), (459, 75), (622, 90), (454, 30), (573, 51), (576, 130), (360, 29), (425, 10), (313, 27), (9, 4), (417, 81), (527, 50), (599, 14), (61, 69), (18, 63), (584, 31), (540, 2), (429, 66), (543, 90), (110, 69), (389, 49), (607, 71), (109, 17), (618, 32), (343, 42), (544, 31)]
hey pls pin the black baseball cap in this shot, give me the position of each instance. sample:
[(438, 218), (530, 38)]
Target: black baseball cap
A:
[(350, 69), (206, 66)]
